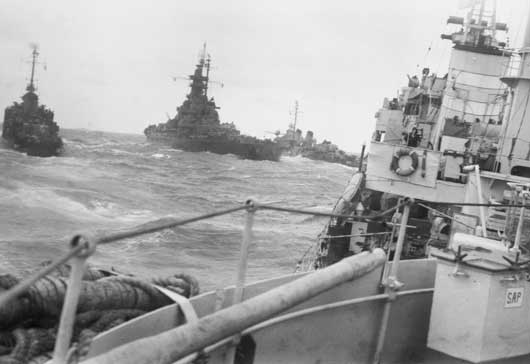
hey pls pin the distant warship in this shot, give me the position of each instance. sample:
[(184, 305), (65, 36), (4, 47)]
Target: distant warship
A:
[(197, 127), (29, 127), (293, 144)]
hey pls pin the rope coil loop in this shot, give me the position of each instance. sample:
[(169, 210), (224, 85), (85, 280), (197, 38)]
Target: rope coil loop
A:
[(89, 245), (250, 205), (405, 172)]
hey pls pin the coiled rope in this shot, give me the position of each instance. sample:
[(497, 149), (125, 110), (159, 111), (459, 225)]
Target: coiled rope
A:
[(28, 325)]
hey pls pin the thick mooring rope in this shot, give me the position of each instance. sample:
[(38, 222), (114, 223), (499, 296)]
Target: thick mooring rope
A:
[(28, 324)]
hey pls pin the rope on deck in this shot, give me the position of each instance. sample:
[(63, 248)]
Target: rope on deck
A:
[(28, 326)]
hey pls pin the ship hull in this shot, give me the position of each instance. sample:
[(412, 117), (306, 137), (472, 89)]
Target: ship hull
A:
[(329, 157), (29, 128), (254, 151), (35, 149), (324, 156)]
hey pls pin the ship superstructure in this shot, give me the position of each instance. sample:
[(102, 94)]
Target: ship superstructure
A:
[(28, 126), (458, 136)]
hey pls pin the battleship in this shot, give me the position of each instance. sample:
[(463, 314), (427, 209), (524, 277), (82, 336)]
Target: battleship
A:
[(436, 196), (197, 128), (29, 127), (294, 144)]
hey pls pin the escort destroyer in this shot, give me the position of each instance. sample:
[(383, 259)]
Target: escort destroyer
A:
[(294, 144), (29, 127)]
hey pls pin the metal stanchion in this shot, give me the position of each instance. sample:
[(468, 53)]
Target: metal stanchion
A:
[(66, 325), (392, 284), (241, 272)]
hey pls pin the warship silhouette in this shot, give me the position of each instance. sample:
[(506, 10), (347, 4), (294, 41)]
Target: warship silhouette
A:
[(197, 128), (29, 127), (294, 144)]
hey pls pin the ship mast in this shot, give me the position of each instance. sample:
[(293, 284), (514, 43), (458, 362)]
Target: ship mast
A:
[(208, 59), (205, 62), (295, 115), (200, 81), (31, 86)]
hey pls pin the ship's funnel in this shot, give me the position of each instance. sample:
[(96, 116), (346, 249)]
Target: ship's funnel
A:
[(526, 42)]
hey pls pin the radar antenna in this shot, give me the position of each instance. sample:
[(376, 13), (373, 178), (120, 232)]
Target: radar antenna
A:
[(199, 80), (479, 28)]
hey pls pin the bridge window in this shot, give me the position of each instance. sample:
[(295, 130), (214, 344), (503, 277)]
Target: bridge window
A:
[(521, 171)]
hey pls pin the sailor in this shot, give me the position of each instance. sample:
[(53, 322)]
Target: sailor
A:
[(414, 138), (394, 104), (413, 81), (424, 77)]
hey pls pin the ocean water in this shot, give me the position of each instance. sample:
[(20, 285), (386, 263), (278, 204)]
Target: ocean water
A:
[(109, 181)]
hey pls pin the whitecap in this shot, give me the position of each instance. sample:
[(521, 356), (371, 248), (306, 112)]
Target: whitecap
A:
[(93, 210), (121, 151), (295, 159)]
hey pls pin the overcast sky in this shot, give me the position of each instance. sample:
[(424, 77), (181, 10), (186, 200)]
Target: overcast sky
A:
[(109, 64)]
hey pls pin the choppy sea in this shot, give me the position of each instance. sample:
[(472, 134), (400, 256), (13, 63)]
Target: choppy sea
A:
[(110, 181)]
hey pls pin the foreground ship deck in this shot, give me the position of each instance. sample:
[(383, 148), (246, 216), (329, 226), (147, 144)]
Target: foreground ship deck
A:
[(435, 357), (359, 310)]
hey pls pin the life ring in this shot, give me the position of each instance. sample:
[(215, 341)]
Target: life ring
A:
[(394, 166)]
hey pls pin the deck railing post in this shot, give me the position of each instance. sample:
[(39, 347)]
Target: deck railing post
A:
[(242, 271), (392, 283), (71, 299), (520, 223), (243, 253), (480, 199)]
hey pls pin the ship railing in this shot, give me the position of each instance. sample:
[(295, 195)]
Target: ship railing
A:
[(82, 246)]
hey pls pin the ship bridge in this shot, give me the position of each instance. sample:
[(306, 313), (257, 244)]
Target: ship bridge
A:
[(439, 124)]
